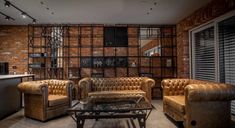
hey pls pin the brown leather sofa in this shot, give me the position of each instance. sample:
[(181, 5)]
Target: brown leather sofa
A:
[(111, 87), (47, 98), (199, 104)]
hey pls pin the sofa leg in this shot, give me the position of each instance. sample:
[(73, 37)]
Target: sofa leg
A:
[(80, 122), (180, 124), (142, 122)]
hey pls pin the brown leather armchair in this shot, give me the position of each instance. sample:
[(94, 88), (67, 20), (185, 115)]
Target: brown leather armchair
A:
[(197, 103), (47, 98), (111, 87)]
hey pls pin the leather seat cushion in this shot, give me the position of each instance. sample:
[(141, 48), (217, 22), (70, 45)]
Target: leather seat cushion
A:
[(176, 102), (54, 100), (117, 93)]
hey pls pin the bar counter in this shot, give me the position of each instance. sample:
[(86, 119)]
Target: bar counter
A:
[(10, 97)]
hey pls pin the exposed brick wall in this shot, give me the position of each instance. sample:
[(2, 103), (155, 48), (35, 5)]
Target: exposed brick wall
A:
[(210, 11), (14, 47)]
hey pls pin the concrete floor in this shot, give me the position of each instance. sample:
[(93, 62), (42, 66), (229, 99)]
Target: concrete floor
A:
[(156, 120)]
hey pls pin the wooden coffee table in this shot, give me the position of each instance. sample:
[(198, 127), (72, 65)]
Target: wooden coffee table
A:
[(136, 107)]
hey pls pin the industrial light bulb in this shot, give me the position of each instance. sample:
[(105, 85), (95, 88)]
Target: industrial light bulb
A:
[(7, 18), (23, 15), (34, 21), (7, 4)]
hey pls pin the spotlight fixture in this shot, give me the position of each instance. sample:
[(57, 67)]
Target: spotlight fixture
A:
[(46, 7), (7, 17), (7, 4), (23, 14), (34, 21), (151, 8)]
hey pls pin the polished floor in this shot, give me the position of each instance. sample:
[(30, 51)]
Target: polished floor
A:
[(156, 120)]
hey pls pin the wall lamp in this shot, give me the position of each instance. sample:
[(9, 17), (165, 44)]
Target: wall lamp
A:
[(23, 14), (7, 17)]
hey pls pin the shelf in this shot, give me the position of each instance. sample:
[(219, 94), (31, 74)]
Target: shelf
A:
[(132, 67), (73, 67), (98, 67), (157, 67), (39, 47), (44, 68), (76, 37), (168, 46), (71, 78), (58, 57), (37, 68)]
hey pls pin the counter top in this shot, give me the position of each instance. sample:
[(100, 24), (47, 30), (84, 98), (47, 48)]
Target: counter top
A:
[(2, 77)]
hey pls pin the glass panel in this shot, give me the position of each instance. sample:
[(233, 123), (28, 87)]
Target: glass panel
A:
[(122, 104), (204, 55), (227, 53)]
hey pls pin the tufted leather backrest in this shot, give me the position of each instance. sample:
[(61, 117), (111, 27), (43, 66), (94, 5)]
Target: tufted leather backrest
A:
[(193, 81), (122, 83), (56, 87), (173, 87)]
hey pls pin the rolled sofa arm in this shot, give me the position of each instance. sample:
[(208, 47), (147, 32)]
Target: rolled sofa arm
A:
[(85, 86), (147, 85), (32, 87), (148, 82), (210, 92), (174, 86)]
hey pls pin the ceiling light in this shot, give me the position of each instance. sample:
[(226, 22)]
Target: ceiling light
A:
[(7, 18), (23, 15), (34, 21), (7, 4)]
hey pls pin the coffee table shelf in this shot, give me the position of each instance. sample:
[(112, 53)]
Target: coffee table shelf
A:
[(108, 108)]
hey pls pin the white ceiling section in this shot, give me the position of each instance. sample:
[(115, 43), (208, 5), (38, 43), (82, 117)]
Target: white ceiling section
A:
[(100, 11)]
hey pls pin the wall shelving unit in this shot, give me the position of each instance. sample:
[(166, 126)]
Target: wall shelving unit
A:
[(80, 52)]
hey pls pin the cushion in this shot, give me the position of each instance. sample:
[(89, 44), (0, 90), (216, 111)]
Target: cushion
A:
[(117, 84), (54, 100), (177, 102), (117, 93)]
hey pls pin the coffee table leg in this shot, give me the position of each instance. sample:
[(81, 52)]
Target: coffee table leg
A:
[(80, 122), (97, 113), (142, 122)]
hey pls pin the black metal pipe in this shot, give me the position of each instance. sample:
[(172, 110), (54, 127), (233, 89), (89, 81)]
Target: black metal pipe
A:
[(7, 16), (20, 10)]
